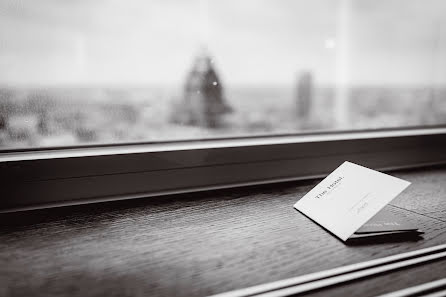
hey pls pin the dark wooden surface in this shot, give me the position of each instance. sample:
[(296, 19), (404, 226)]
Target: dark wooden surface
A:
[(203, 243)]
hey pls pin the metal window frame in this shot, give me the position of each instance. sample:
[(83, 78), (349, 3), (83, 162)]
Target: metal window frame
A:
[(67, 176)]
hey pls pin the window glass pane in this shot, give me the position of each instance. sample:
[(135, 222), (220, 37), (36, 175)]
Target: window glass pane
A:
[(85, 72)]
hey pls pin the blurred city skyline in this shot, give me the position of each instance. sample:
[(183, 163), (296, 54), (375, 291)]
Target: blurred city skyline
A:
[(254, 42)]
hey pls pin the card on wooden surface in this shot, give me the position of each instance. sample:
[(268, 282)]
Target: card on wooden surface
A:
[(349, 197)]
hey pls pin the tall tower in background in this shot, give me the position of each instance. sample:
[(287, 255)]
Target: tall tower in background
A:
[(304, 95), (203, 101)]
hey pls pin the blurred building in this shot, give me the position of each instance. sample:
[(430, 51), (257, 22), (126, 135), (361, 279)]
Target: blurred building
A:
[(23, 127), (304, 95), (3, 122), (203, 103)]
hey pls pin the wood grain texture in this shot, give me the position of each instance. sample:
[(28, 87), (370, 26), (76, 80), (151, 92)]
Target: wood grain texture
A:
[(203, 243)]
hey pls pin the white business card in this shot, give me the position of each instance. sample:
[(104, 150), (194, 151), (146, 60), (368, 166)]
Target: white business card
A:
[(349, 197)]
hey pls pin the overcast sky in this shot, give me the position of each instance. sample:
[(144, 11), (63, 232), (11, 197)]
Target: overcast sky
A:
[(256, 42)]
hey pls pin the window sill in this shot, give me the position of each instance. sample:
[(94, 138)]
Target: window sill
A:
[(55, 177)]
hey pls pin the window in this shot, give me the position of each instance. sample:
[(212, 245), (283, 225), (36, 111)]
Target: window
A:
[(85, 72), (120, 99)]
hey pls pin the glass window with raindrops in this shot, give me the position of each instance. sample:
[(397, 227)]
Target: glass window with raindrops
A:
[(87, 72)]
